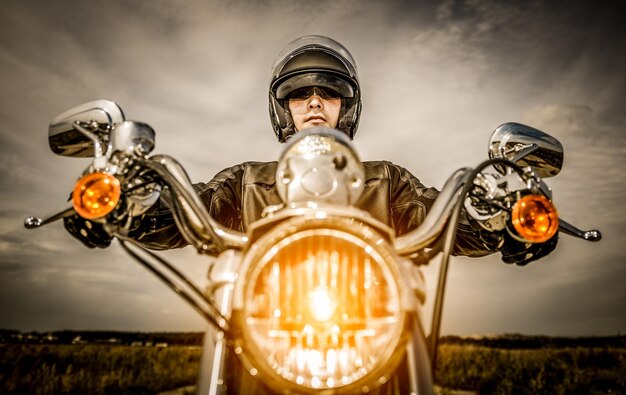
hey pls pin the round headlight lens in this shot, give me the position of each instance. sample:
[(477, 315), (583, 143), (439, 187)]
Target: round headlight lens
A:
[(322, 308)]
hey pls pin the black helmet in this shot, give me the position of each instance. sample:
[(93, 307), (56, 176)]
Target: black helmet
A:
[(314, 61)]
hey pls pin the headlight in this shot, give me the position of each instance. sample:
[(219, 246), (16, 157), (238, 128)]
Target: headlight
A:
[(322, 304)]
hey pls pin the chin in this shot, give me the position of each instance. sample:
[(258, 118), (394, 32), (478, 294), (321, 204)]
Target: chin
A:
[(314, 124)]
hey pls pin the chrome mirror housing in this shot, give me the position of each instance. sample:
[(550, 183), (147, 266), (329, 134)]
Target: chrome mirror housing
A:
[(84, 130), (526, 146), (133, 138)]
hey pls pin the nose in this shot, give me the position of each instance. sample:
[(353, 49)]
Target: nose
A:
[(314, 102)]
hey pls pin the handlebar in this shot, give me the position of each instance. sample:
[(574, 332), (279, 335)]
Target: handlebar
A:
[(203, 232), (190, 214), (436, 220)]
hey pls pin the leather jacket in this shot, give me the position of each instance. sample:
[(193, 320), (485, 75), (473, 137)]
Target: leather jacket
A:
[(236, 197)]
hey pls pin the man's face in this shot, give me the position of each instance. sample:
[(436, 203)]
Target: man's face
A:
[(314, 106)]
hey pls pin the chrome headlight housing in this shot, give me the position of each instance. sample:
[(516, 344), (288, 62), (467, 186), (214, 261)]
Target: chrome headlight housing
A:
[(321, 306)]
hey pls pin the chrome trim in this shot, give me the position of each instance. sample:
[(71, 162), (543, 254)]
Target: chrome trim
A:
[(448, 245), (320, 165), (312, 210), (35, 222), (142, 197), (436, 220), (132, 138), (418, 361), (589, 235), (97, 145), (530, 148), (526, 146), (65, 138), (222, 275), (190, 214)]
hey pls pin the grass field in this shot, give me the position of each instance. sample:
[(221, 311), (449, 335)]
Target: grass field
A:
[(114, 369), (95, 369), (534, 371)]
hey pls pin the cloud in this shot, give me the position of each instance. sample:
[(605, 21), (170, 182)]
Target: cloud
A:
[(557, 295), (594, 156), (76, 288), (437, 78)]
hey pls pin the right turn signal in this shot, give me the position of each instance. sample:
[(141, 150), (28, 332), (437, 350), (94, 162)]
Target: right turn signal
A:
[(96, 195), (535, 218)]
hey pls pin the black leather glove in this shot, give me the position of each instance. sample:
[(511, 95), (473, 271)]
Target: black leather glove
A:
[(90, 233), (521, 254)]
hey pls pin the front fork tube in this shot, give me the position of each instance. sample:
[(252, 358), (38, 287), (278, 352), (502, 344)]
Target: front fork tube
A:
[(212, 375), (212, 380), (418, 361)]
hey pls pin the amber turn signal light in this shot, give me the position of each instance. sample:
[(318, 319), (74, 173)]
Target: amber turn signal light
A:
[(535, 218), (95, 195)]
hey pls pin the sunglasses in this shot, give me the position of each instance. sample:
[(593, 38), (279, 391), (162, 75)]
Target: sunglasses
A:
[(305, 93)]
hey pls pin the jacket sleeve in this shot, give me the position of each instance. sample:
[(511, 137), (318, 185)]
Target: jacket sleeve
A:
[(157, 229), (410, 203)]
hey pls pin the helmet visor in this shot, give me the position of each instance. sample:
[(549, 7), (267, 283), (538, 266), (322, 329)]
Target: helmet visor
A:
[(324, 80), (305, 93)]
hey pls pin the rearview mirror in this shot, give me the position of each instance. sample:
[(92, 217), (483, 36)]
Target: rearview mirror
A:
[(84, 130), (526, 146)]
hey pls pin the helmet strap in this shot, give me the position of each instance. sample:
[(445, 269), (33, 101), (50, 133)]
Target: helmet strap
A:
[(290, 128), (346, 117)]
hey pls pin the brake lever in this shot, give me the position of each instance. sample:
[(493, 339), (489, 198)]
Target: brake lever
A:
[(589, 235), (36, 222)]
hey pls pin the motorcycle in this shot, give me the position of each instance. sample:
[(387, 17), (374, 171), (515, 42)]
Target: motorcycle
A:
[(318, 296)]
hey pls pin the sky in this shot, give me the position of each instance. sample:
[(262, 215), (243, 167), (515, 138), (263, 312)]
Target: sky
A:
[(437, 78)]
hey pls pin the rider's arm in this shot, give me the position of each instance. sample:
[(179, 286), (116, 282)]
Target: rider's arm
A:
[(411, 201), (157, 229)]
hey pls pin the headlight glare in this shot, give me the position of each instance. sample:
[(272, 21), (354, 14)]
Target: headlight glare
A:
[(322, 308)]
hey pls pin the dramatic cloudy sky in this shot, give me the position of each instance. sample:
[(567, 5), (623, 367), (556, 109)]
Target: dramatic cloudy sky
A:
[(437, 79)]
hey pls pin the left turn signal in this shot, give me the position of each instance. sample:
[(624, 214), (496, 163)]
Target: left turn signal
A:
[(96, 195)]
